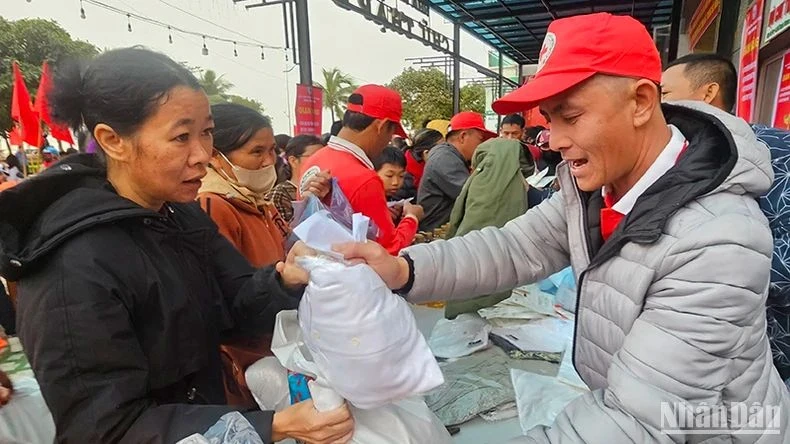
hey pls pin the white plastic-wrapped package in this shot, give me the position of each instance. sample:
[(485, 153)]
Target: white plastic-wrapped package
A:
[(407, 421), (362, 337), (462, 336)]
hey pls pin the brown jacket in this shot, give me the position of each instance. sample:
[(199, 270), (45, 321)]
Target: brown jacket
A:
[(251, 224)]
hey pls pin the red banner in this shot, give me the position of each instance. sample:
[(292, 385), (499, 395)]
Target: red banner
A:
[(703, 17), (747, 71), (309, 104), (782, 109)]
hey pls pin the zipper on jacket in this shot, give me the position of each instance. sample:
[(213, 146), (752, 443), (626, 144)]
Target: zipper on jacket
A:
[(588, 241)]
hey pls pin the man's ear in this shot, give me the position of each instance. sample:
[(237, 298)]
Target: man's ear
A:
[(711, 91), (114, 146), (647, 98)]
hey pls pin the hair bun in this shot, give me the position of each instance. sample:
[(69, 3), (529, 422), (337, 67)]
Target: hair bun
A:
[(66, 99)]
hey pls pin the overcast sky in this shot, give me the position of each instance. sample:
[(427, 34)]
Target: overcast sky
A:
[(339, 38)]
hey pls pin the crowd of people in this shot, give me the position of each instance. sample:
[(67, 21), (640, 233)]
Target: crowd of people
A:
[(149, 271)]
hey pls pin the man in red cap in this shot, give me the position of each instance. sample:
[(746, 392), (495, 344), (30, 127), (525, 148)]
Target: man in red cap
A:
[(447, 168), (372, 117), (658, 216)]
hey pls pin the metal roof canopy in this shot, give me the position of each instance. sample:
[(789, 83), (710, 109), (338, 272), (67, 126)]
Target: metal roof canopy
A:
[(517, 27)]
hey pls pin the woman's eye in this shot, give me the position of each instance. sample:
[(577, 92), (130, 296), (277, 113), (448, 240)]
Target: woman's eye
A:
[(182, 137)]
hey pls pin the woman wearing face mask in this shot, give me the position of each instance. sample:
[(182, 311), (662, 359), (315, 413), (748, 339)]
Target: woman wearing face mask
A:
[(125, 286), (241, 172)]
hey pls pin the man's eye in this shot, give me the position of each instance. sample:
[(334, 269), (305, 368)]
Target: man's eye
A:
[(182, 137)]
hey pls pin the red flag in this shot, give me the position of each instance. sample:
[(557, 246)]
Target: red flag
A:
[(22, 110), (59, 132), (15, 136)]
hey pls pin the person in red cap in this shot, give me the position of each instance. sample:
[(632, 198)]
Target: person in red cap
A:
[(447, 168), (657, 214), (372, 117)]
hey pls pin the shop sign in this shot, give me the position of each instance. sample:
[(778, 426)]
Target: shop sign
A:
[(397, 20), (747, 72), (703, 17), (778, 18), (309, 106), (782, 108)]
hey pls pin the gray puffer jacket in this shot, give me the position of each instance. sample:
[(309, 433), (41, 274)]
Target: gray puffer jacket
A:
[(671, 307)]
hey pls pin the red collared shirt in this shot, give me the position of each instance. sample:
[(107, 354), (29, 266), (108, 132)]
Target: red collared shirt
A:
[(614, 212)]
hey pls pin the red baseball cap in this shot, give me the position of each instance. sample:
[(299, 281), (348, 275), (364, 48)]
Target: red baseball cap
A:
[(469, 120), (576, 48), (380, 103)]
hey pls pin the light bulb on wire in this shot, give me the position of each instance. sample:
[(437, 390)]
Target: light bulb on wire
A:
[(235, 52), (169, 35), (128, 22), (82, 11), (263, 54), (205, 48)]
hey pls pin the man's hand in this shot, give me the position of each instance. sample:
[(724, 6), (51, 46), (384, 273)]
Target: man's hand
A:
[(414, 211), (303, 422), (320, 185), (394, 271)]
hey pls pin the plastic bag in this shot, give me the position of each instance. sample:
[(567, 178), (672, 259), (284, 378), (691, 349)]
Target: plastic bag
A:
[(462, 336), (362, 337), (232, 428), (563, 286), (270, 388), (339, 208), (474, 384), (540, 398), (408, 421)]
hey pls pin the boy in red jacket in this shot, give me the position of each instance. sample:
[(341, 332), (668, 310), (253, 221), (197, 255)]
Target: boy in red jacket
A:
[(372, 117)]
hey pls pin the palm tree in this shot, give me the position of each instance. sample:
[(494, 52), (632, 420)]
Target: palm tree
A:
[(216, 87), (337, 87)]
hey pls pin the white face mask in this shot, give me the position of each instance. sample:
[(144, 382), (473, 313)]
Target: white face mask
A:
[(259, 181)]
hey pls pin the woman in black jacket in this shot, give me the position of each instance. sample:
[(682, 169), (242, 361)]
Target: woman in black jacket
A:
[(125, 285)]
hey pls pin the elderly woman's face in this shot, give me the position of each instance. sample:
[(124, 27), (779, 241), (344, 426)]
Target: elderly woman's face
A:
[(172, 148)]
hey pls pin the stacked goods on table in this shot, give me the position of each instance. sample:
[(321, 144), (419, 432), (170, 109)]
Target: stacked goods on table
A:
[(425, 237)]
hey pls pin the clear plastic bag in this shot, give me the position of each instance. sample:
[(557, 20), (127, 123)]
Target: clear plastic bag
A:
[(339, 208), (462, 336)]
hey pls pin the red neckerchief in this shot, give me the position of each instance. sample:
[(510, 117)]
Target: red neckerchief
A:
[(610, 218)]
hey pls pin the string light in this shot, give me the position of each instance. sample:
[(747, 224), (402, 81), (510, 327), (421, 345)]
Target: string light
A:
[(173, 28)]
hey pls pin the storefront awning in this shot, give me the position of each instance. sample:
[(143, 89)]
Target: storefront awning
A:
[(517, 27)]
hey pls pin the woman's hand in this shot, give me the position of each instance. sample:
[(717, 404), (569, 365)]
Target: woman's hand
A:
[(6, 388), (320, 185), (292, 275), (394, 271), (303, 422)]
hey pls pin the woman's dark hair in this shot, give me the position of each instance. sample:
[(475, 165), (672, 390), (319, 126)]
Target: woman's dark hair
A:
[(282, 141), (391, 154), (235, 125), (424, 140), (120, 88), (296, 147)]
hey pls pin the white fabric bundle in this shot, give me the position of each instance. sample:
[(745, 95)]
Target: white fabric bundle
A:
[(362, 337)]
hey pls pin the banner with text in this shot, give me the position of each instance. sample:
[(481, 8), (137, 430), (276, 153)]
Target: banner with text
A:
[(703, 17), (782, 107), (309, 106), (747, 72)]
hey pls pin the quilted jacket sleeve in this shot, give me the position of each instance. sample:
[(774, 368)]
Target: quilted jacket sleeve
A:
[(703, 315), (527, 249)]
